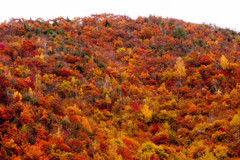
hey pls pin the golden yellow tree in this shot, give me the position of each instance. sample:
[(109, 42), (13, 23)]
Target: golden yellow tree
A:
[(86, 125), (224, 62), (180, 68), (17, 95), (107, 99), (146, 112), (180, 71)]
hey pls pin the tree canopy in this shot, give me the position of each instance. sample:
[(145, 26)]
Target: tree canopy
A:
[(111, 87)]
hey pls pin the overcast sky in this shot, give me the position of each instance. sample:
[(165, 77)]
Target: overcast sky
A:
[(223, 13)]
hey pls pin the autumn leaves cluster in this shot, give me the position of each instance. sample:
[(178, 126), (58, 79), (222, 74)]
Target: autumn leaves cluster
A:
[(110, 87)]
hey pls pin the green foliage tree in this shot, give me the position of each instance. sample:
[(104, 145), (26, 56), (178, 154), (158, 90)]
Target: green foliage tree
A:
[(179, 33)]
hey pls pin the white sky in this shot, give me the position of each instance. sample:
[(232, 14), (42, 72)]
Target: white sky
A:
[(223, 13)]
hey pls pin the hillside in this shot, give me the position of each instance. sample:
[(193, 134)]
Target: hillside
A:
[(110, 87)]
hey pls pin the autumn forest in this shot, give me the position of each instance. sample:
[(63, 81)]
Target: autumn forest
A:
[(111, 87)]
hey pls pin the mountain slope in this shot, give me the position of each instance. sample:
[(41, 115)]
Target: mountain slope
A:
[(110, 87)]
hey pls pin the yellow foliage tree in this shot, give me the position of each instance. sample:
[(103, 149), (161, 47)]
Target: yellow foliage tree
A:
[(180, 68), (148, 149), (112, 151), (86, 125), (235, 121), (146, 112), (17, 95), (107, 99), (73, 110), (224, 62), (220, 152)]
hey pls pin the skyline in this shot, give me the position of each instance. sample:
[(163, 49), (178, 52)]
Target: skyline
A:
[(214, 12)]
